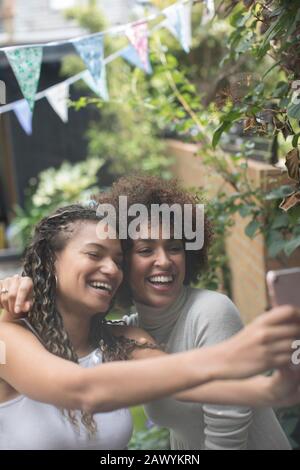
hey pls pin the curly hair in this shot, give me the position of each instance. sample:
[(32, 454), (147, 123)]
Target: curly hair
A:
[(149, 190), (51, 236)]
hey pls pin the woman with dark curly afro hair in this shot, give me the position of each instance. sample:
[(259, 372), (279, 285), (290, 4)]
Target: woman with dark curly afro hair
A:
[(158, 274), (158, 278)]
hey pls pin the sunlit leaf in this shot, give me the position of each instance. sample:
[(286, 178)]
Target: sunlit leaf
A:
[(290, 201), (293, 164)]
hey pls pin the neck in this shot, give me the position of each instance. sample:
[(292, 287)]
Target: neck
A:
[(78, 328), (159, 322)]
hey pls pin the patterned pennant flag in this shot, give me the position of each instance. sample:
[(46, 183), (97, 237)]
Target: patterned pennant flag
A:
[(91, 50), (99, 88), (58, 98), (179, 23), (130, 55), (24, 115), (26, 63), (138, 36)]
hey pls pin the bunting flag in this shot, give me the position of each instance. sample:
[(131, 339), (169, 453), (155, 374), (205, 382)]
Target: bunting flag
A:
[(138, 36), (130, 55), (209, 11), (26, 63), (178, 22), (24, 115), (99, 88), (91, 51), (58, 98), (87, 77)]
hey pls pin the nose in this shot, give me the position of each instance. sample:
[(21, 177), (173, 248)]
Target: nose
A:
[(162, 259), (108, 267)]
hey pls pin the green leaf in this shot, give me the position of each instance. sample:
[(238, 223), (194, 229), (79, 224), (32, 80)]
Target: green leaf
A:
[(295, 140), (291, 246), (293, 111), (279, 193), (245, 210), (218, 133), (276, 247), (252, 228), (281, 221)]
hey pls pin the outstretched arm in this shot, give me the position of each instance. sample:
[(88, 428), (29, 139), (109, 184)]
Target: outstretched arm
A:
[(42, 376), (282, 389)]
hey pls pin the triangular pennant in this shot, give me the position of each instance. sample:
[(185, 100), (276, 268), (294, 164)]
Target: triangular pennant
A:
[(26, 63), (209, 11), (178, 22), (24, 115), (91, 50), (130, 55), (58, 98), (87, 77), (102, 84), (100, 88), (138, 36)]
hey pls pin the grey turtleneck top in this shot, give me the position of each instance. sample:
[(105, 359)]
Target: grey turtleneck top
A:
[(203, 318)]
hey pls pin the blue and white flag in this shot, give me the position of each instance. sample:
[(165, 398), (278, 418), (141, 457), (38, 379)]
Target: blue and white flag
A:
[(91, 51), (99, 88), (24, 115), (178, 22), (131, 55)]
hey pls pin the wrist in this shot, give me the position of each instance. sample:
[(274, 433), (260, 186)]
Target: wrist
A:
[(215, 363)]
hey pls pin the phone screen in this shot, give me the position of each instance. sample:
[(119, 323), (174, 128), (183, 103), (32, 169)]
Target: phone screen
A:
[(284, 287)]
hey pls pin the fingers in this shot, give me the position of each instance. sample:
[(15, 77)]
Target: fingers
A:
[(23, 301), (17, 298), (12, 293), (281, 315), (281, 360), (281, 346), (281, 332), (4, 294)]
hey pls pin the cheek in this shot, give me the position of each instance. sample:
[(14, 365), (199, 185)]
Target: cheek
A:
[(181, 266), (120, 278), (136, 269)]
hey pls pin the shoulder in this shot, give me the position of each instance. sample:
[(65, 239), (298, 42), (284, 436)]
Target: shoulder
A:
[(16, 336), (213, 315), (207, 302), (13, 328)]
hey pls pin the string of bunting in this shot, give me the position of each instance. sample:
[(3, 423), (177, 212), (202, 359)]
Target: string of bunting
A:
[(26, 60)]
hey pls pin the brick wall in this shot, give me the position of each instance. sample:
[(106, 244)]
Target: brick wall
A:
[(248, 260)]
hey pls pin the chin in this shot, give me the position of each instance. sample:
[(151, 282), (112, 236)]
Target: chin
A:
[(97, 309), (162, 302)]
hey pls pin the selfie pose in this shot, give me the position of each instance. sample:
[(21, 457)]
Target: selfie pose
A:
[(74, 277)]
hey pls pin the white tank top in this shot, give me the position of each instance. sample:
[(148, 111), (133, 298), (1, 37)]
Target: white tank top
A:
[(30, 425)]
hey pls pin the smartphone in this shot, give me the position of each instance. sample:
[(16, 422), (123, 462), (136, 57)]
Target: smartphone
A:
[(284, 287)]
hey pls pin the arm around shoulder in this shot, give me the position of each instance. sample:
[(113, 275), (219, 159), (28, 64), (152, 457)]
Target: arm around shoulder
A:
[(33, 371)]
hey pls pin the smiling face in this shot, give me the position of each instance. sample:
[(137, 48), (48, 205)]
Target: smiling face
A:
[(156, 271), (88, 270)]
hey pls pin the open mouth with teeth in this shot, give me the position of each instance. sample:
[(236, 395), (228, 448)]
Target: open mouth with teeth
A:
[(101, 286), (161, 280)]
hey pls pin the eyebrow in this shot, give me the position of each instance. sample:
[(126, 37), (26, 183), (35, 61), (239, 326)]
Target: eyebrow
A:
[(153, 240), (98, 245)]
